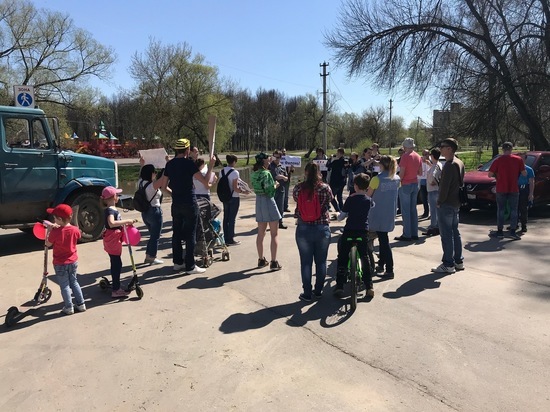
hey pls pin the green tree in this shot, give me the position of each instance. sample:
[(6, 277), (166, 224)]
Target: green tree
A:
[(444, 44), (44, 49), (179, 92)]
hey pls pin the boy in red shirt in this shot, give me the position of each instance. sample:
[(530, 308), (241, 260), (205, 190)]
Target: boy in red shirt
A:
[(63, 237)]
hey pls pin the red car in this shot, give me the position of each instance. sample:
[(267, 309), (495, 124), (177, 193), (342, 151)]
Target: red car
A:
[(481, 188)]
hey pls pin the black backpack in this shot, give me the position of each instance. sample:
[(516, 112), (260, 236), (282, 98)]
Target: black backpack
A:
[(141, 203), (224, 191)]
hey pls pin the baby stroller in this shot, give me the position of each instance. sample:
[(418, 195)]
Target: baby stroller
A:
[(208, 233)]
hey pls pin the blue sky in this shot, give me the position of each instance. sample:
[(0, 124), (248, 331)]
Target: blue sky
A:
[(272, 45)]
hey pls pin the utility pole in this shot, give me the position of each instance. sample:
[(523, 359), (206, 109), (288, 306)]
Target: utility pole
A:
[(391, 101), (324, 76)]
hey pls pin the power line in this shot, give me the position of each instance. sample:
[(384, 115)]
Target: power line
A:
[(341, 95)]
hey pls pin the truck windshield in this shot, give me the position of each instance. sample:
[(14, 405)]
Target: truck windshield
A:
[(24, 134)]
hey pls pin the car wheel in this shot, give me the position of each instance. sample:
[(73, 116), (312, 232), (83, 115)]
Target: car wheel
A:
[(90, 216)]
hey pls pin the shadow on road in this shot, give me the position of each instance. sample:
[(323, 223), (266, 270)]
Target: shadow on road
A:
[(416, 285), (330, 312)]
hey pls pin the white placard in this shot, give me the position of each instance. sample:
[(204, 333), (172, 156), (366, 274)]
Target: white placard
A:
[(295, 161), (244, 187), (211, 134), (322, 163), (155, 157)]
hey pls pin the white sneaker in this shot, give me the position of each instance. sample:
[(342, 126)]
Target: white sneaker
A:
[(179, 267), (459, 266), (81, 308), (153, 261), (67, 311), (444, 269), (195, 271)]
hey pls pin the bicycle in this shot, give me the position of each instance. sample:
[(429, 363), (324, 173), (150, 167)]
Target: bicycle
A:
[(355, 270)]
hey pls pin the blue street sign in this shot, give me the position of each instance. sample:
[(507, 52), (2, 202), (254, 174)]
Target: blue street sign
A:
[(25, 99)]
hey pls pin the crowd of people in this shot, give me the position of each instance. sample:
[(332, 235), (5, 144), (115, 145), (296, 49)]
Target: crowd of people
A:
[(380, 187)]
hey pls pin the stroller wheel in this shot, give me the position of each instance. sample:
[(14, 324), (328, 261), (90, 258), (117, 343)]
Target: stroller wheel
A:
[(45, 295), (11, 316), (103, 283), (225, 256), (139, 291)]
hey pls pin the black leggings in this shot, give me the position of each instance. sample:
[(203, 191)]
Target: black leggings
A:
[(386, 256), (344, 247), (116, 269)]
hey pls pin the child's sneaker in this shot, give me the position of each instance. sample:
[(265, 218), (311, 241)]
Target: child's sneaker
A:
[(121, 293), (275, 265), (81, 308), (262, 262), (67, 311)]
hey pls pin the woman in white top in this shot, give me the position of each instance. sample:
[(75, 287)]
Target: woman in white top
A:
[(432, 185), (200, 189), (152, 217), (422, 184), (231, 208)]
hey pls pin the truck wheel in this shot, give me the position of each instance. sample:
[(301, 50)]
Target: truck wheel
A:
[(90, 216)]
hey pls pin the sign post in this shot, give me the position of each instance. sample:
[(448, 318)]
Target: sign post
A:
[(24, 96)]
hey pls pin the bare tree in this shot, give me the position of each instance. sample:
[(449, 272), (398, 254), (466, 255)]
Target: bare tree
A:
[(435, 43), (180, 91), (44, 49)]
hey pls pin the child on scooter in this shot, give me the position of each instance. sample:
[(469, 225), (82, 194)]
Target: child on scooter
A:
[(112, 237), (63, 237)]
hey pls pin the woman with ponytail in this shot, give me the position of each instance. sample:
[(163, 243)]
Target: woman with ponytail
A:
[(312, 198)]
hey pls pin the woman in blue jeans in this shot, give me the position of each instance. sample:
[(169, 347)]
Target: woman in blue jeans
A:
[(152, 217), (312, 232)]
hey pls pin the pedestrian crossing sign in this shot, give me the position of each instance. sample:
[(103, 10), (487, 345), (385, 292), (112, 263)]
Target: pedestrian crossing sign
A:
[(24, 96)]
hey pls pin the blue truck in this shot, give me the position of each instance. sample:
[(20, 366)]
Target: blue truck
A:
[(36, 173)]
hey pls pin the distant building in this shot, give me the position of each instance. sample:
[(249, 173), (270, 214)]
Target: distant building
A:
[(443, 121)]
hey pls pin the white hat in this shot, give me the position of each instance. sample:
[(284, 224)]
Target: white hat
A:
[(408, 143)]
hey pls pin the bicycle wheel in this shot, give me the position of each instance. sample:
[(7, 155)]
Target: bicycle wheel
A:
[(353, 274)]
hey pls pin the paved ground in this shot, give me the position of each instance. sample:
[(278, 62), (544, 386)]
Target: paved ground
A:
[(237, 338)]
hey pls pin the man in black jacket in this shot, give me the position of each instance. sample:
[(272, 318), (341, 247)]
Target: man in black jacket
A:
[(337, 179)]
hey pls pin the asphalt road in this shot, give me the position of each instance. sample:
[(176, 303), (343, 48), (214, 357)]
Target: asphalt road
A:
[(237, 337)]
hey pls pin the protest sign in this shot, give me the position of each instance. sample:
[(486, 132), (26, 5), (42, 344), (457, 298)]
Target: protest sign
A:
[(322, 163), (288, 161), (155, 157)]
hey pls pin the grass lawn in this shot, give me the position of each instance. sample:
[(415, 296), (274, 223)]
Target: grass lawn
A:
[(471, 160)]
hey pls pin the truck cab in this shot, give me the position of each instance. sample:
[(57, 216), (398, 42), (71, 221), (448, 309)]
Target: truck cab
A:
[(35, 173)]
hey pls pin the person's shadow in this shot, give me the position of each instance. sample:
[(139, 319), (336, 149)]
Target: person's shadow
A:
[(328, 310), (416, 285)]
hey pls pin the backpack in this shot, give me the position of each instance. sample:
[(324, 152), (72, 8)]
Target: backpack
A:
[(462, 192), (225, 193), (140, 201), (309, 206)]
